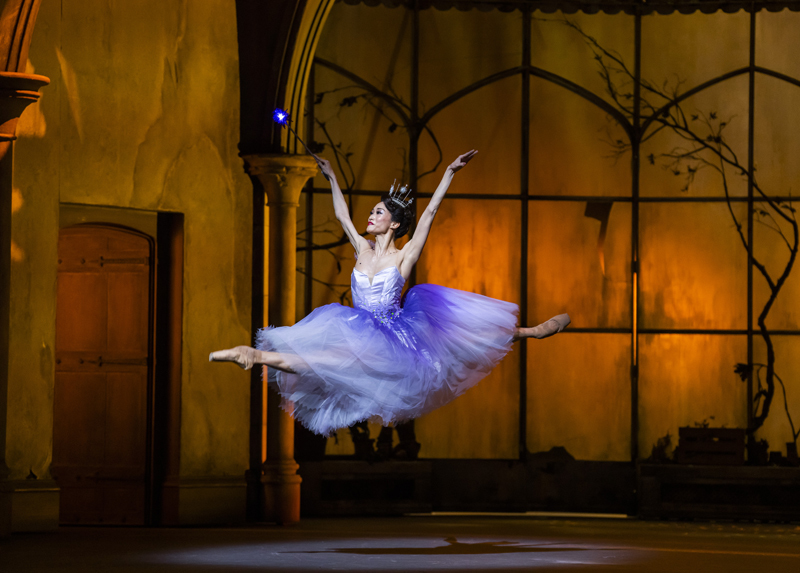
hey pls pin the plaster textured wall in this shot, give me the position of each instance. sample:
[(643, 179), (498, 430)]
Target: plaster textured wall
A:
[(142, 112)]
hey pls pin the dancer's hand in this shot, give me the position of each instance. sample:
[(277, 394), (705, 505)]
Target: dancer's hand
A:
[(462, 160), (325, 167)]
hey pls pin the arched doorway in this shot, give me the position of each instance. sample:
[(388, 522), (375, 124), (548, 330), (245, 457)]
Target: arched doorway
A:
[(104, 373)]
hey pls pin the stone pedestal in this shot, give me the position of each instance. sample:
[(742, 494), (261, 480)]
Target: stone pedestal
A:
[(282, 177), (17, 91)]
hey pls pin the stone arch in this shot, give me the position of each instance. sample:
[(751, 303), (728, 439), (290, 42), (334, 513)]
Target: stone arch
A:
[(17, 20)]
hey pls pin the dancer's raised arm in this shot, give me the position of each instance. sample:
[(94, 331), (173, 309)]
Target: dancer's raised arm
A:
[(413, 248), (326, 361), (340, 208)]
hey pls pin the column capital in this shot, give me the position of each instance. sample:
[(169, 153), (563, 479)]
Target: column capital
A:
[(17, 91), (282, 175)]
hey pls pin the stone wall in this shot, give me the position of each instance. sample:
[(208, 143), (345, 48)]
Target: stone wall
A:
[(142, 114)]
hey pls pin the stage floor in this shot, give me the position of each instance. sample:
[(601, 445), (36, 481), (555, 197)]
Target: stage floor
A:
[(425, 543)]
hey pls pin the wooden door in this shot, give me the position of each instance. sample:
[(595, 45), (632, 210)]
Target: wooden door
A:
[(103, 350)]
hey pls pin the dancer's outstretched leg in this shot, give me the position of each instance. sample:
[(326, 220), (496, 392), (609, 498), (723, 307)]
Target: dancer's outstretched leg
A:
[(548, 328), (247, 357)]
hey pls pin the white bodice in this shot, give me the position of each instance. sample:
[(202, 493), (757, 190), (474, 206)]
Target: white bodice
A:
[(382, 297)]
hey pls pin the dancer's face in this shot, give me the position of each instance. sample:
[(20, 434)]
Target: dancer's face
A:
[(380, 220)]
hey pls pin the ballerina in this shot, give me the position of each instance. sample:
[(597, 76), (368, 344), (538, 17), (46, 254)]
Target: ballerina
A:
[(379, 360)]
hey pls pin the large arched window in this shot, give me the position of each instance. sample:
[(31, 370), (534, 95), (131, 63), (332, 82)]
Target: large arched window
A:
[(579, 201)]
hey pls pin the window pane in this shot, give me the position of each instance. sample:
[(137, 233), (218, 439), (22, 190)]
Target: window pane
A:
[(694, 47), (560, 49), (565, 270), (383, 58), (726, 102), (364, 128), (777, 42), (579, 395), (778, 174), (776, 144), (368, 134), (300, 286), (686, 380), (474, 246), (483, 423), (693, 266), (570, 151), (487, 120), (771, 249), (776, 429), (458, 48), (682, 65)]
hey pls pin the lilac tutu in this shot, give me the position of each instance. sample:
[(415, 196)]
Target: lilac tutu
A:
[(385, 363)]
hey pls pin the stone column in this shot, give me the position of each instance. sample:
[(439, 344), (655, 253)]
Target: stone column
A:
[(282, 177), (17, 91)]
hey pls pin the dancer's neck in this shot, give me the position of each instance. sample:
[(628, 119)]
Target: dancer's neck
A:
[(384, 245)]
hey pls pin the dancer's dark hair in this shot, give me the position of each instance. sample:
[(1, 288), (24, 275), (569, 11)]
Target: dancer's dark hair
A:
[(403, 215)]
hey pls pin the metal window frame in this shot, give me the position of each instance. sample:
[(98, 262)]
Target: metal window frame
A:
[(416, 124)]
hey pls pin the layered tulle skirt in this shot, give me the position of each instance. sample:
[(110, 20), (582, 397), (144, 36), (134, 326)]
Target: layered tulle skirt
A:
[(354, 366)]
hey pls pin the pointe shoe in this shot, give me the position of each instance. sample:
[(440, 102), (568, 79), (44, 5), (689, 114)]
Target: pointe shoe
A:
[(551, 327), (244, 356)]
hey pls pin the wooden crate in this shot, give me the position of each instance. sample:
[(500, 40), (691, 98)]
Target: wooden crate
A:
[(710, 446)]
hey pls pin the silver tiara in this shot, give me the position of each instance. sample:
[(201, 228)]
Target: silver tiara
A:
[(400, 196)]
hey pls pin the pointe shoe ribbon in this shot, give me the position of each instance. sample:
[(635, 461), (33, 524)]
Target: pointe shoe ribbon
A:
[(243, 356), (552, 326)]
